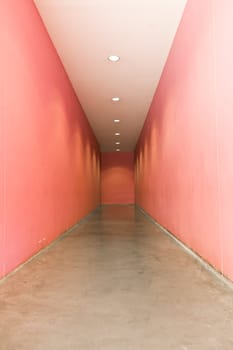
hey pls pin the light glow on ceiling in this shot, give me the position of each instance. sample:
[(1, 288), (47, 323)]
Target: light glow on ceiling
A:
[(117, 133), (113, 58), (115, 99), (116, 120)]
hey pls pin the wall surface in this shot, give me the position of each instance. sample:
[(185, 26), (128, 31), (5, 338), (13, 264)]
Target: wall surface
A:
[(117, 178), (184, 157), (49, 173)]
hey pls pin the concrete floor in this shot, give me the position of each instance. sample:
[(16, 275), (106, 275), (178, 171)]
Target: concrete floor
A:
[(115, 283)]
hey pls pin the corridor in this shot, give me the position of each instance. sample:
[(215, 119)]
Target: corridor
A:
[(115, 282)]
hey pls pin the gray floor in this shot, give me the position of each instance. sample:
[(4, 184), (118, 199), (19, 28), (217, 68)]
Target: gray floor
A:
[(115, 283)]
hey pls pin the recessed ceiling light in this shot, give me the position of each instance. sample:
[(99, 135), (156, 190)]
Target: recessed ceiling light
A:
[(117, 133), (115, 99), (118, 149), (116, 120), (117, 143), (113, 58)]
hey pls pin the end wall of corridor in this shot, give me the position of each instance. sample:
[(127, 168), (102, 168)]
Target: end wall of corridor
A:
[(117, 178)]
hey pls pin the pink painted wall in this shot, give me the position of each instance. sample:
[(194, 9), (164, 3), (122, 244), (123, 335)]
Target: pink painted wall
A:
[(49, 158), (184, 157), (117, 178)]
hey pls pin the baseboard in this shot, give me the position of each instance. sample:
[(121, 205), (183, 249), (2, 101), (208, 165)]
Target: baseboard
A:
[(220, 276), (50, 245)]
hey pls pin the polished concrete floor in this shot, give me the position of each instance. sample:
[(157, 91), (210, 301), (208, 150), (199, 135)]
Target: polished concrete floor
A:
[(115, 283)]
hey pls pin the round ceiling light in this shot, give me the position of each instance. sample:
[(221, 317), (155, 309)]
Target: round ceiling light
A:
[(117, 133), (116, 120), (113, 58), (117, 143), (115, 99), (118, 149)]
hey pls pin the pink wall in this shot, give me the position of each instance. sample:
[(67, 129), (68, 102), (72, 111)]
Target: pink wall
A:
[(184, 166), (117, 178), (49, 173)]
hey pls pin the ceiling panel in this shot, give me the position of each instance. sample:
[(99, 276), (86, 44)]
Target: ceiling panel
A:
[(86, 32)]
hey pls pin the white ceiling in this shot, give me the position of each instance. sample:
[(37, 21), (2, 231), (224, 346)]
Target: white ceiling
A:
[(86, 32)]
